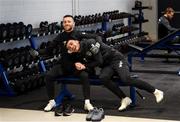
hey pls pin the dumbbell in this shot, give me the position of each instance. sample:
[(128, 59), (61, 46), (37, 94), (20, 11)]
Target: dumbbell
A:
[(7, 60), (138, 4), (16, 57), (50, 28), (53, 27), (117, 27), (17, 29), (10, 30), (22, 55), (4, 31), (43, 26), (28, 57), (99, 18), (29, 28), (22, 29), (18, 81), (52, 47), (0, 33)]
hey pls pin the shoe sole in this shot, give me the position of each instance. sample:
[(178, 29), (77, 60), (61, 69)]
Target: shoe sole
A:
[(69, 114), (127, 108), (47, 110), (57, 114), (88, 119), (98, 119)]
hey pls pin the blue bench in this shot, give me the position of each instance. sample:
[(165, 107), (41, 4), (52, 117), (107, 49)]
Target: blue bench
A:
[(64, 92)]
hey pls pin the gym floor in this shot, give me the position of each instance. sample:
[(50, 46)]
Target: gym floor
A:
[(29, 106)]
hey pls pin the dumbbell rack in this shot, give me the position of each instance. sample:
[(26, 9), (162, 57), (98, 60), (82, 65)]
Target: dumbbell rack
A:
[(8, 90), (6, 86), (141, 19), (32, 39)]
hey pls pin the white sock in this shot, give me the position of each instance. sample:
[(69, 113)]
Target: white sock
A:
[(87, 101)]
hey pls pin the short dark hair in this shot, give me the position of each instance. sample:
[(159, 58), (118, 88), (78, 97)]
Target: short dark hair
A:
[(72, 37), (68, 16), (169, 10)]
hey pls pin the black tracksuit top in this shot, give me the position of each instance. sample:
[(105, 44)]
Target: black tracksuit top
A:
[(104, 57)]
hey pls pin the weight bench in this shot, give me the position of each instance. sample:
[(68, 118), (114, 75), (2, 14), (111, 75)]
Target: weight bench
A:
[(164, 43), (93, 81)]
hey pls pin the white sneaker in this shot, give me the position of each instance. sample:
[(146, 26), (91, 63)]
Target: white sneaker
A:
[(50, 105), (124, 103), (88, 106), (159, 95)]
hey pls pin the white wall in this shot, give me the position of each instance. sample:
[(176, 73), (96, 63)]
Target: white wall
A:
[(151, 15), (96, 6), (34, 11)]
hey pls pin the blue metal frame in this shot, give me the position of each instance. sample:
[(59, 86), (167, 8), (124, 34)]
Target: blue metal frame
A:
[(93, 81), (8, 91), (161, 44)]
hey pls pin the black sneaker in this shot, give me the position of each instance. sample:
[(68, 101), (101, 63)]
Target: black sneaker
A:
[(98, 115), (68, 110), (59, 110)]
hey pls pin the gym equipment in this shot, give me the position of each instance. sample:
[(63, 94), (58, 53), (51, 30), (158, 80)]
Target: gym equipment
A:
[(24, 59), (6, 84), (138, 4), (139, 18), (4, 31), (14, 31), (162, 44), (43, 26), (29, 28), (11, 30)]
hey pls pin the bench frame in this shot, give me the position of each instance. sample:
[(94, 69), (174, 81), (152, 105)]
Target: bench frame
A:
[(64, 92)]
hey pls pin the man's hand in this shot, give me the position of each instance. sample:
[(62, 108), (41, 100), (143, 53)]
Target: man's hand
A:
[(33, 53), (80, 66)]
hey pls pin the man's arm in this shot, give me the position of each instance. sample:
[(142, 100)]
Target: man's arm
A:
[(94, 50), (49, 49), (98, 60), (166, 23)]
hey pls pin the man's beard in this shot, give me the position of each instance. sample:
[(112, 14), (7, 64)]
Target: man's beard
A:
[(70, 29)]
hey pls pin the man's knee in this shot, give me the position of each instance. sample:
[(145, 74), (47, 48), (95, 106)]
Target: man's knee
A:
[(104, 77)]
